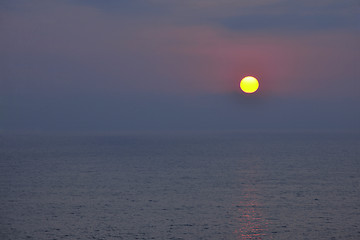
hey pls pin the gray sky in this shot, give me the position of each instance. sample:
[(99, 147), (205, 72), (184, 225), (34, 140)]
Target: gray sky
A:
[(176, 65)]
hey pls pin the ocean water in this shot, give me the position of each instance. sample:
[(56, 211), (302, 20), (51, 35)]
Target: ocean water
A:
[(180, 186)]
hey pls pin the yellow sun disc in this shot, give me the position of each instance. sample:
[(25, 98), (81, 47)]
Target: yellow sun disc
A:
[(249, 84)]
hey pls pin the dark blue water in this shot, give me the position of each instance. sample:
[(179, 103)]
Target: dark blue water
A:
[(190, 186)]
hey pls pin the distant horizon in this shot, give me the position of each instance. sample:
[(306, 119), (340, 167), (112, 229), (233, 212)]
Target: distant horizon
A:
[(220, 112), (240, 132)]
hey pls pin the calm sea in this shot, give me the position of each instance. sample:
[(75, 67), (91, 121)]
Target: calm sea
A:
[(180, 186)]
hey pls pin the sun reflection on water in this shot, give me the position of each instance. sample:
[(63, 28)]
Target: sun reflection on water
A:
[(251, 222)]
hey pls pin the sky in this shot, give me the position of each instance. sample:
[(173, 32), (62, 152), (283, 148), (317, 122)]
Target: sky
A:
[(166, 65)]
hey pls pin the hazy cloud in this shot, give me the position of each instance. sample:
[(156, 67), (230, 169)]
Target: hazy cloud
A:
[(176, 64)]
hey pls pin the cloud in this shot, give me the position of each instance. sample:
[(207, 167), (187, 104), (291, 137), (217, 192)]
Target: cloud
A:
[(66, 47), (290, 23), (79, 64), (280, 15)]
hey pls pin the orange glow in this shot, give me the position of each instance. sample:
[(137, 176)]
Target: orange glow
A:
[(249, 84)]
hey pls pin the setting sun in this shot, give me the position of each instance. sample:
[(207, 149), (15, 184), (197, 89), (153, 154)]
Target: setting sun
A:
[(249, 84)]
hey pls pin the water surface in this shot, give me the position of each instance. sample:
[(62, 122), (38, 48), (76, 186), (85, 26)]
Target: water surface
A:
[(180, 186)]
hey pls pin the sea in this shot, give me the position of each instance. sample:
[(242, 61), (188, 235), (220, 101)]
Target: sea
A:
[(223, 185)]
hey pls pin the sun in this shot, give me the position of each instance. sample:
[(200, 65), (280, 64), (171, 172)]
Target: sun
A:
[(249, 84)]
